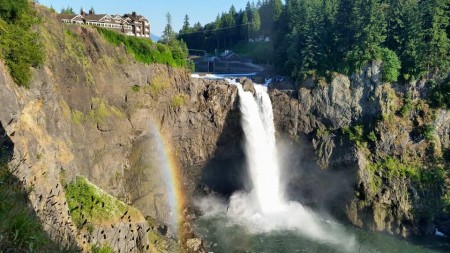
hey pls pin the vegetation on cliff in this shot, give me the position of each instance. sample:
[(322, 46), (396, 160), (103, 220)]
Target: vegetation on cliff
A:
[(19, 44), (89, 205), (146, 51), (20, 228)]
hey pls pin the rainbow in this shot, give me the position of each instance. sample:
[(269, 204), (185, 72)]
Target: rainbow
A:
[(172, 177)]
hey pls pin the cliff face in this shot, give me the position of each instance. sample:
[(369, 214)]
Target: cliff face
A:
[(380, 148), (93, 111)]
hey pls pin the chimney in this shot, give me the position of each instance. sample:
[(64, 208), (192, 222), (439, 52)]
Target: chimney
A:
[(134, 14)]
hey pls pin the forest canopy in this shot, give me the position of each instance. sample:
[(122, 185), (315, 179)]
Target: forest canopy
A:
[(308, 37)]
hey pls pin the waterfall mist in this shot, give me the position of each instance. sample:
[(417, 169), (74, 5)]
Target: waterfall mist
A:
[(265, 209)]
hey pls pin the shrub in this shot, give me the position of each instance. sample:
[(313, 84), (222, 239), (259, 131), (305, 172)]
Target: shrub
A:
[(407, 105), (428, 132), (391, 65), (178, 100), (355, 134)]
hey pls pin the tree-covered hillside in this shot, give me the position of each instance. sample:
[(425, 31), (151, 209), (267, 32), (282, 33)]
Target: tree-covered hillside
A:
[(322, 36)]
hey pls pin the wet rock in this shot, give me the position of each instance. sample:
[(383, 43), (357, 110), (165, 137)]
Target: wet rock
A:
[(247, 84)]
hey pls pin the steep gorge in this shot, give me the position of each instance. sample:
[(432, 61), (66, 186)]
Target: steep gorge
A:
[(89, 110)]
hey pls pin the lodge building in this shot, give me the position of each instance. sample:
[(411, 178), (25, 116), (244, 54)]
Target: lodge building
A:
[(128, 24)]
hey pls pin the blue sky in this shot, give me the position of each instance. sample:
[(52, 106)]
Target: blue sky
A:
[(204, 11)]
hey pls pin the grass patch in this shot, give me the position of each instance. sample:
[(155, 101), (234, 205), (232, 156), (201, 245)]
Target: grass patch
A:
[(20, 228), (89, 205), (102, 249), (146, 51), (391, 167), (136, 88), (75, 49), (78, 117), (20, 45), (178, 100), (157, 85)]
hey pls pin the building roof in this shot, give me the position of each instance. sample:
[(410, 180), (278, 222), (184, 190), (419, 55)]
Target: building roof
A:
[(68, 16), (96, 17)]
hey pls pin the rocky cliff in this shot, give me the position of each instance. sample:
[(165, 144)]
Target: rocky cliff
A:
[(379, 146), (93, 111)]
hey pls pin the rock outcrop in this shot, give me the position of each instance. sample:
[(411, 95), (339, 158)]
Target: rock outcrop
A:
[(363, 132), (92, 110)]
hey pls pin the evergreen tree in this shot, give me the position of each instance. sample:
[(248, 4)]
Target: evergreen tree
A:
[(67, 10), (368, 27), (168, 34), (436, 21), (410, 40), (186, 25), (245, 26), (256, 23)]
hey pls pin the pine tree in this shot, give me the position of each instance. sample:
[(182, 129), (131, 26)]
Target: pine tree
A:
[(168, 34), (410, 40), (368, 27), (186, 25), (256, 23), (245, 26), (436, 21)]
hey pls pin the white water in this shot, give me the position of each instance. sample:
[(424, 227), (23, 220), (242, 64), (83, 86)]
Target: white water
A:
[(264, 209), (260, 148)]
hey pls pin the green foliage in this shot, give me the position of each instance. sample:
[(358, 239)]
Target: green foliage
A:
[(439, 94), (90, 205), (391, 167), (20, 228), (391, 65), (407, 105), (145, 51), (168, 34), (372, 136), (355, 134), (428, 132), (260, 52), (234, 27), (136, 88), (178, 100), (102, 249), (157, 85), (20, 45), (68, 10)]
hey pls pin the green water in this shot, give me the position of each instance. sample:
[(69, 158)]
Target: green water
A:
[(226, 236)]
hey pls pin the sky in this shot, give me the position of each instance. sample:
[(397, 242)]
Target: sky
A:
[(155, 11)]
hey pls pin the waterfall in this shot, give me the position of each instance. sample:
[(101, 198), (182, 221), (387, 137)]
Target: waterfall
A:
[(260, 147), (264, 209)]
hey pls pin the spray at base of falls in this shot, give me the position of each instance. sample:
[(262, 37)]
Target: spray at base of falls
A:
[(264, 209)]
